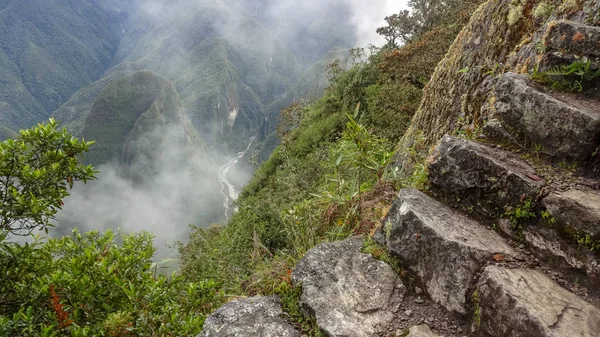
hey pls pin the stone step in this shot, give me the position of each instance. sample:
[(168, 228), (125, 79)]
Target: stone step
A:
[(445, 248), (349, 293), (564, 127), (577, 209), (574, 215), (573, 38), (558, 252), (256, 316), (482, 177), (527, 303)]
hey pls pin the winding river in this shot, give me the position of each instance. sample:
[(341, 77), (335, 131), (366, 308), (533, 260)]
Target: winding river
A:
[(227, 188)]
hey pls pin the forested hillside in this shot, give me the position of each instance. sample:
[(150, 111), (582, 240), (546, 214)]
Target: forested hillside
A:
[(50, 49)]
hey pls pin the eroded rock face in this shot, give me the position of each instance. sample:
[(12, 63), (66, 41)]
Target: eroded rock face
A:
[(574, 38), (445, 248), (527, 303), (350, 293), (579, 209), (256, 316), (564, 128), (488, 179), (421, 331)]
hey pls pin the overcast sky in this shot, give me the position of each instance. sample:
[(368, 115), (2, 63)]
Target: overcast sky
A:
[(370, 14)]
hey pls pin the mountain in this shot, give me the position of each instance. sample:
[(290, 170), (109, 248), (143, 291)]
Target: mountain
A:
[(134, 120), (226, 67), (230, 60), (50, 49)]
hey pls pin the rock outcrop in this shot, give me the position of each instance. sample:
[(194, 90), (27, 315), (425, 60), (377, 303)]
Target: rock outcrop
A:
[(527, 303), (445, 248), (574, 37), (349, 292), (256, 316)]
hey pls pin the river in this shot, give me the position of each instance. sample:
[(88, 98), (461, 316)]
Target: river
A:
[(228, 190)]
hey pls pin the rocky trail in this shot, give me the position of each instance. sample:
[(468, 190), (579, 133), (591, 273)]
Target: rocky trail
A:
[(503, 244)]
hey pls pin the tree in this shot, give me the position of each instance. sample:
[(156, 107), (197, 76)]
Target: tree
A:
[(400, 28), (37, 169), (424, 15)]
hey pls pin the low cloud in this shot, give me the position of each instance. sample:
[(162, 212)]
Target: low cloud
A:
[(183, 191), (368, 15)]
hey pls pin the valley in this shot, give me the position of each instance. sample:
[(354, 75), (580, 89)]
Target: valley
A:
[(218, 168)]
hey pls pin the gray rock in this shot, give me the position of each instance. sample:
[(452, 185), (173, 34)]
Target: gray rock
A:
[(573, 37), (349, 292), (256, 316), (527, 303), (445, 248), (420, 331), (483, 177), (577, 209), (564, 127)]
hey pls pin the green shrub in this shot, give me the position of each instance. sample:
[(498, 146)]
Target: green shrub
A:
[(96, 284)]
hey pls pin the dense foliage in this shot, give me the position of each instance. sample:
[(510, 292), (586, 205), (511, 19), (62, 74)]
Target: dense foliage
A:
[(50, 49), (96, 284), (35, 170)]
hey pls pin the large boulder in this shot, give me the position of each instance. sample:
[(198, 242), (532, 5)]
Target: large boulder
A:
[(444, 247), (256, 316), (527, 303), (560, 126), (578, 209), (350, 293), (486, 178)]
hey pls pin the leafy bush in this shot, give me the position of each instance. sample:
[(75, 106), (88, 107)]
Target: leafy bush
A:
[(96, 284), (35, 170)]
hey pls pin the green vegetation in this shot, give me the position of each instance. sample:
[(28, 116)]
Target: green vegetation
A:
[(588, 242), (125, 122), (96, 285), (520, 214), (53, 49), (575, 77), (475, 299), (290, 301), (35, 170), (93, 284), (331, 177), (381, 253)]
